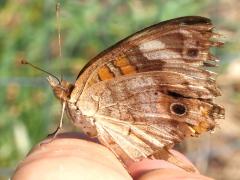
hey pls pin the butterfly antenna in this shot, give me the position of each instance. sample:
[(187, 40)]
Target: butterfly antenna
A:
[(58, 28), (59, 31), (40, 69)]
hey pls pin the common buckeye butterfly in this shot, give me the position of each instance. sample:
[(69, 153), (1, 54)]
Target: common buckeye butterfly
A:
[(148, 91)]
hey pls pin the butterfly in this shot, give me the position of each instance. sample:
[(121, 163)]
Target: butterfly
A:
[(149, 91)]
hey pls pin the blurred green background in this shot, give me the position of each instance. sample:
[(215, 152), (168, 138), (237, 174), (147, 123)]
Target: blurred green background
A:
[(29, 111)]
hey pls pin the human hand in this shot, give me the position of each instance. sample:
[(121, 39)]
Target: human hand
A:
[(69, 157)]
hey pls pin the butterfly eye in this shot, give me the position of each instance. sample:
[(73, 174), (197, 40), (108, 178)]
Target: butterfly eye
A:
[(178, 109)]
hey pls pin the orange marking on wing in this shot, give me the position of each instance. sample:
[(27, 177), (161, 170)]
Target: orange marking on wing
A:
[(104, 73), (128, 69), (201, 127), (124, 65), (121, 61)]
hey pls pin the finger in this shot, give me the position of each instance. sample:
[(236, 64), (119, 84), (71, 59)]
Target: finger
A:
[(172, 174), (136, 169), (69, 157)]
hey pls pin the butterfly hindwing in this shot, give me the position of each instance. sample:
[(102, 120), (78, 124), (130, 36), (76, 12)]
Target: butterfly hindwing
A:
[(134, 113)]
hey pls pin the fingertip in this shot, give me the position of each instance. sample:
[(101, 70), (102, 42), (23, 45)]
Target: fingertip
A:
[(184, 159), (171, 174), (137, 169)]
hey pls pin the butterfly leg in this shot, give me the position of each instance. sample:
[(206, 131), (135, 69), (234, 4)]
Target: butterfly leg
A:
[(53, 135)]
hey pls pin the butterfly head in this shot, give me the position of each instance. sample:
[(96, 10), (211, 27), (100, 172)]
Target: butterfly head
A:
[(62, 89)]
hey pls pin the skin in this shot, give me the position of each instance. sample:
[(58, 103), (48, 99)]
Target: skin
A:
[(69, 157)]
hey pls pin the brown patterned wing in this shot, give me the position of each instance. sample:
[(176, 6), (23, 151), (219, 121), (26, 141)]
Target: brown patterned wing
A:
[(180, 45), (136, 117), (151, 89)]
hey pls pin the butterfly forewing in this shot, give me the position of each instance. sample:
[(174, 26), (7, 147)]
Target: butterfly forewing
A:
[(183, 43)]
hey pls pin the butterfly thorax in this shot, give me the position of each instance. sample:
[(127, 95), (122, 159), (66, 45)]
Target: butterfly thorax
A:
[(61, 90)]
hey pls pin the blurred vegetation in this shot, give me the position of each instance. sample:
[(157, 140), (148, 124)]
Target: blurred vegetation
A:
[(29, 110)]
